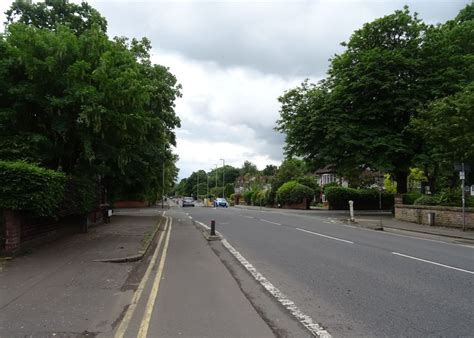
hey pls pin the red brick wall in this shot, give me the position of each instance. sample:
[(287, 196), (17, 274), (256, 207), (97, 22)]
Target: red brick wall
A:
[(444, 216)]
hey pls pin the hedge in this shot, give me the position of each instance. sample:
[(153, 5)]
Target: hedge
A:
[(293, 192), (411, 197), (364, 199), (81, 196), (26, 187)]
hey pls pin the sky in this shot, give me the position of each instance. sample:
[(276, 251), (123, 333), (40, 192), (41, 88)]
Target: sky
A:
[(235, 58)]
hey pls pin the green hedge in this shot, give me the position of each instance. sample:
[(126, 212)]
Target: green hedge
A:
[(364, 199), (427, 200), (411, 197), (26, 187), (81, 196), (293, 192), (445, 199)]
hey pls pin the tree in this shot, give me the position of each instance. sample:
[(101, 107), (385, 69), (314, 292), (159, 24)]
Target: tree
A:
[(51, 13), (248, 168), (358, 117), (269, 170), (288, 170), (75, 101)]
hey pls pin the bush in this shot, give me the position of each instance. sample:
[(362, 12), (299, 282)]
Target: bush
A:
[(293, 192), (270, 197), (248, 197), (427, 200), (81, 196), (330, 185), (411, 197), (364, 199), (26, 187)]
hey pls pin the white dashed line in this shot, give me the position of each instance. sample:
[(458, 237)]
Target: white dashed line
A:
[(434, 263), (264, 220), (325, 236), (307, 321)]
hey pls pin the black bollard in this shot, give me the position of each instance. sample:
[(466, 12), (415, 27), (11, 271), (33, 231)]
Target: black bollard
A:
[(213, 227)]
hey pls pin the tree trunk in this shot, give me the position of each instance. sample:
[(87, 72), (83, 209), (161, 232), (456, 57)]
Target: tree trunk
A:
[(402, 180)]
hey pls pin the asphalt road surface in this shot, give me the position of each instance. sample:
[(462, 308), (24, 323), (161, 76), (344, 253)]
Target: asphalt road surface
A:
[(354, 281)]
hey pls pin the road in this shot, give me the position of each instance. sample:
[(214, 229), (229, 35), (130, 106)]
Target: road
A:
[(354, 281)]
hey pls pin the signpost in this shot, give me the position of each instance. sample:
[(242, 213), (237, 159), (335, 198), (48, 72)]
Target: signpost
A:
[(462, 176)]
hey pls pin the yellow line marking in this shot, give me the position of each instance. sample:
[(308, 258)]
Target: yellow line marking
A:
[(136, 297), (154, 291)]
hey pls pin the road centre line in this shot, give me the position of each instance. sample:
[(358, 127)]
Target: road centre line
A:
[(434, 263), (264, 220), (136, 297), (142, 333), (325, 236)]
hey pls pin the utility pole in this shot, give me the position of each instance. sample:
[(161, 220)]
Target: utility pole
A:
[(216, 176), (223, 181), (197, 187)]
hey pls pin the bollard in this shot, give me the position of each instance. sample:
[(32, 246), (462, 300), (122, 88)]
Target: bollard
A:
[(213, 227), (351, 208)]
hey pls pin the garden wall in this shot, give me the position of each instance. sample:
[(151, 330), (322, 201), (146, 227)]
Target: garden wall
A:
[(444, 216)]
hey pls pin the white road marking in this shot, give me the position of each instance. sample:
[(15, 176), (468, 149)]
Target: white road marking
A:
[(190, 217), (325, 236), (142, 333), (264, 220), (434, 263), (307, 321), (249, 217), (136, 297)]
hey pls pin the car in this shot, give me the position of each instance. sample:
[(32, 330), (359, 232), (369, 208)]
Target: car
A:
[(188, 202), (221, 202)]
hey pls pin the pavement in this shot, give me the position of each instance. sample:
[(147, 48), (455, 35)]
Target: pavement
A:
[(65, 287), (374, 218), (84, 285)]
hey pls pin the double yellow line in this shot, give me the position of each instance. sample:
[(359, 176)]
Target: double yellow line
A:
[(145, 322)]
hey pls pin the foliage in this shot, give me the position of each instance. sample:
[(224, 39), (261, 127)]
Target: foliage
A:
[(269, 170), (427, 200), (81, 196), (26, 187), (248, 168), (411, 197), (75, 101), (389, 185), (248, 195), (329, 185), (364, 199), (288, 170), (293, 192)]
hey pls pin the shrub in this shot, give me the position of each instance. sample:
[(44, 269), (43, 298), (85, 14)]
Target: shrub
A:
[(364, 199), (293, 192), (81, 196), (411, 197), (427, 200), (248, 197), (26, 187), (330, 185)]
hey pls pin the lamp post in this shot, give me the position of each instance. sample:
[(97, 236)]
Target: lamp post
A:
[(216, 176), (197, 187), (223, 181)]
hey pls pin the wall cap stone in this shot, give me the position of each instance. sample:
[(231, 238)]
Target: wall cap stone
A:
[(433, 207)]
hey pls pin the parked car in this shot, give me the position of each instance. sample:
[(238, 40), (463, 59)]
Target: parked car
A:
[(221, 202), (187, 202)]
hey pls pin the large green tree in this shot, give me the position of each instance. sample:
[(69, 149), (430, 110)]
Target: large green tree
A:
[(358, 116), (73, 100)]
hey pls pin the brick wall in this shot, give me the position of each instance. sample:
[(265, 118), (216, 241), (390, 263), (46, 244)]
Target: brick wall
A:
[(444, 216)]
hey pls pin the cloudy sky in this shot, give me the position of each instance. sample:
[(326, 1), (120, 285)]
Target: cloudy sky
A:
[(235, 58)]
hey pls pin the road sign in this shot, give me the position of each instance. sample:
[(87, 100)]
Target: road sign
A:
[(462, 175)]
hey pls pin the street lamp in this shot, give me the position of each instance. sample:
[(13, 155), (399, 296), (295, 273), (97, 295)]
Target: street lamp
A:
[(223, 181), (216, 176), (197, 187)]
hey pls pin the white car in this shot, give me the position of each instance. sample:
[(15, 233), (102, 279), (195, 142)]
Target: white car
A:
[(221, 202), (188, 202)]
